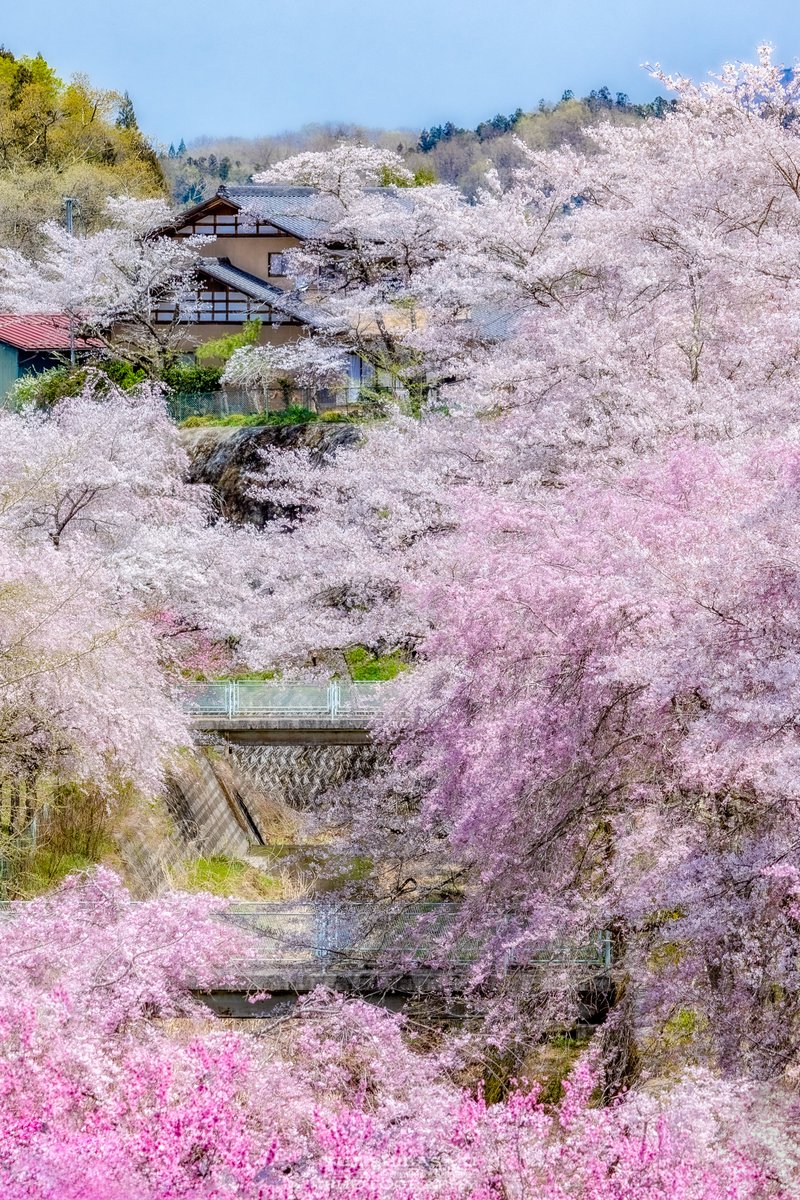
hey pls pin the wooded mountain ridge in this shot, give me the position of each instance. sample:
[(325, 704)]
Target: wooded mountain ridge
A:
[(445, 153), (62, 139)]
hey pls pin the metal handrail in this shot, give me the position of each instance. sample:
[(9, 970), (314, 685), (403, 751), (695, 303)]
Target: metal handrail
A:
[(341, 932), (246, 698), (354, 933)]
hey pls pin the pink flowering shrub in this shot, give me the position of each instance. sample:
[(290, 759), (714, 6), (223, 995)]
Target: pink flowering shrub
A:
[(104, 1097)]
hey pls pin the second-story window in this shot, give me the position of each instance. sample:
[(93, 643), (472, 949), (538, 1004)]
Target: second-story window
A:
[(278, 266), (221, 224), (213, 306)]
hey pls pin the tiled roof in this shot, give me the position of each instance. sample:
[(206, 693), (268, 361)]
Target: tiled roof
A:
[(295, 209), (38, 331), (493, 323), (223, 270)]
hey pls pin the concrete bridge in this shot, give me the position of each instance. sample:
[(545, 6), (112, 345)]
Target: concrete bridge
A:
[(277, 746), (386, 955), (335, 713)]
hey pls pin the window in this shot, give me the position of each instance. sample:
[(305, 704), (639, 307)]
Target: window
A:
[(222, 224), (278, 267), (217, 306), (164, 312), (224, 306), (214, 306)]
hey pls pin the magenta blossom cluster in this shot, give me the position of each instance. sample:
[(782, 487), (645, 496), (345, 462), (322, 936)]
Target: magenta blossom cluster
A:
[(114, 1087)]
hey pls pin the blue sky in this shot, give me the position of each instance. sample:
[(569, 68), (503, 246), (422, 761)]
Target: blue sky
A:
[(260, 66)]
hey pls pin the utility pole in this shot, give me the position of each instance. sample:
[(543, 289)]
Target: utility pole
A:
[(69, 208)]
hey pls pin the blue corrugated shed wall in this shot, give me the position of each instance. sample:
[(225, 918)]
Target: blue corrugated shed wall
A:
[(9, 368)]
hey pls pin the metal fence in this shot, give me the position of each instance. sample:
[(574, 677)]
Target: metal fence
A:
[(229, 401), (360, 934), (283, 701)]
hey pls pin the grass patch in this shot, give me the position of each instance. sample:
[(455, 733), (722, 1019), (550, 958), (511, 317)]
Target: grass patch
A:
[(242, 676), (554, 1062), (46, 869), (366, 667), (354, 870), (251, 677), (334, 417), (223, 876)]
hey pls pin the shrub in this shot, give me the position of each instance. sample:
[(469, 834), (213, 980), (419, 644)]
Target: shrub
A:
[(45, 388), (187, 378), (223, 348), (335, 417), (294, 415), (123, 374)]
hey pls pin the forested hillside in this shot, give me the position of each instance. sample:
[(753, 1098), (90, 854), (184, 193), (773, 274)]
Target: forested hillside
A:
[(445, 152), (62, 139)]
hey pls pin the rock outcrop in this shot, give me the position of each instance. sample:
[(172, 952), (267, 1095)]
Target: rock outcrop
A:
[(225, 458)]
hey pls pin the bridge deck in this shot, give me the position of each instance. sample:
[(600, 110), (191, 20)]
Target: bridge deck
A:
[(286, 731)]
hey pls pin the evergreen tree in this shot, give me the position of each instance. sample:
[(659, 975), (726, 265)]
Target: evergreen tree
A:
[(126, 118)]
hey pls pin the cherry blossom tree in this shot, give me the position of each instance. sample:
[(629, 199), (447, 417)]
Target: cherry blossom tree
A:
[(592, 555), (305, 363), (108, 283), (646, 292), (112, 575)]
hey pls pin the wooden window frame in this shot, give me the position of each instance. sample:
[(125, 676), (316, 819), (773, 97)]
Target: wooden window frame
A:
[(220, 305), (222, 224)]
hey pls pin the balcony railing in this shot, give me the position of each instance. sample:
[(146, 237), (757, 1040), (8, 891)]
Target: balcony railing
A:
[(242, 699)]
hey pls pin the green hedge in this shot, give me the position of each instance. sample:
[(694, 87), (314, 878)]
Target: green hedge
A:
[(294, 415)]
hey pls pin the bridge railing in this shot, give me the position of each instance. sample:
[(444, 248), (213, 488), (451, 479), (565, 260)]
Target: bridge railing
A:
[(252, 698), (349, 933)]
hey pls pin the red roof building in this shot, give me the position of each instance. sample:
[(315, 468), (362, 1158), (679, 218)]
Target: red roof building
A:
[(34, 342), (37, 331)]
